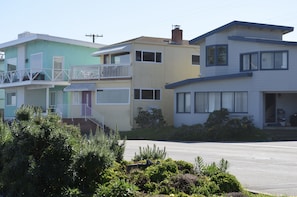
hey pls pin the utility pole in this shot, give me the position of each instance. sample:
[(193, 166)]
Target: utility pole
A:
[(94, 36)]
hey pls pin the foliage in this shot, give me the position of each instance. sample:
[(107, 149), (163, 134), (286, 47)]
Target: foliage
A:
[(41, 156), (146, 153), (38, 156), (116, 187), (159, 172), (24, 113), (150, 119)]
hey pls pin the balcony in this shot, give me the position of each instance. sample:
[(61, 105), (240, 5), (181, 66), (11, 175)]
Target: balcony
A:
[(11, 78), (102, 71)]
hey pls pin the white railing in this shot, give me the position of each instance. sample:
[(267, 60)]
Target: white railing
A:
[(29, 74), (102, 71), (80, 111)]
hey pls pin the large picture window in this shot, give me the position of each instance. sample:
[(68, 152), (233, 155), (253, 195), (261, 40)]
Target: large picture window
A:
[(146, 56), (183, 102), (113, 96), (275, 60), (216, 55), (147, 94), (249, 61), (11, 99), (211, 101)]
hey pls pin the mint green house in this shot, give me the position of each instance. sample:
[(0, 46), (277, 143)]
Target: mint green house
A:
[(35, 68)]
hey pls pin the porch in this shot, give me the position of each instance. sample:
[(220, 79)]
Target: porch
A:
[(100, 71), (280, 110)]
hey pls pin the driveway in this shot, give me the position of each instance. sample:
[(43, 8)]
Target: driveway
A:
[(267, 167)]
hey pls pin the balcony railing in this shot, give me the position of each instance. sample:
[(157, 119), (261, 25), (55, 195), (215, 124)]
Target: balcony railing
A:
[(31, 75), (102, 71)]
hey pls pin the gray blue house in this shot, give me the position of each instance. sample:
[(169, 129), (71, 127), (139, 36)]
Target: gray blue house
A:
[(245, 67), (35, 69)]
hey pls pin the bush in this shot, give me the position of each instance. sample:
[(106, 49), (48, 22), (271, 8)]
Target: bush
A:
[(162, 170), (149, 119), (89, 165), (39, 157), (149, 153), (226, 182), (118, 188)]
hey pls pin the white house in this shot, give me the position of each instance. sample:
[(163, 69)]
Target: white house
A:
[(245, 67)]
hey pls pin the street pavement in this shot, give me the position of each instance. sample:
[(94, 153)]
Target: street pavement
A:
[(266, 167)]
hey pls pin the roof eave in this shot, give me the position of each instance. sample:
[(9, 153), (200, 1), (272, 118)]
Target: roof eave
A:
[(211, 78), (283, 29)]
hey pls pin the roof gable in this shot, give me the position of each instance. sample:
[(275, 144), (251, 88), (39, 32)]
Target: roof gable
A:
[(282, 29)]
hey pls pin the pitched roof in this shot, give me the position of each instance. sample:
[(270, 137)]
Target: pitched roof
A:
[(28, 37), (283, 29), (203, 79)]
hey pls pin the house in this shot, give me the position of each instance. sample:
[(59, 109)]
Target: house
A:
[(246, 68), (35, 70), (131, 76)]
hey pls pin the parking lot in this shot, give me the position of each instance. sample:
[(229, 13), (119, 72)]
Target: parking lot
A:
[(267, 167)]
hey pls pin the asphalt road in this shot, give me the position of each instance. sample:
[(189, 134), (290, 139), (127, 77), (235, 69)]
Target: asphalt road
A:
[(267, 167)]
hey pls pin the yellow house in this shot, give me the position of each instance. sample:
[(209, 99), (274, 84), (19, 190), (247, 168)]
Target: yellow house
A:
[(132, 75)]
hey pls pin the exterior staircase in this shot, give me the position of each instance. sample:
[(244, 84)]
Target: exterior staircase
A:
[(86, 125)]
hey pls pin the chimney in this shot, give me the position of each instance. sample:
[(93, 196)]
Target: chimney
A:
[(177, 35)]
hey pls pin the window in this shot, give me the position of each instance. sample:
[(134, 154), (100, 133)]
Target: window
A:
[(11, 99), (121, 58), (183, 102), (195, 60), (249, 61), (275, 60), (147, 94), (113, 96), (76, 98), (149, 56), (211, 101), (216, 55)]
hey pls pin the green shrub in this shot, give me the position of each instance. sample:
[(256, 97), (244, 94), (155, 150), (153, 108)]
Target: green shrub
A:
[(146, 153), (116, 188), (185, 167), (184, 182), (89, 165), (24, 113), (39, 158), (226, 182), (161, 171), (149, 119)]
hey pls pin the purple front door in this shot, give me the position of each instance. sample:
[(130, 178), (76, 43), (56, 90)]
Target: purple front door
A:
[(86, 103)]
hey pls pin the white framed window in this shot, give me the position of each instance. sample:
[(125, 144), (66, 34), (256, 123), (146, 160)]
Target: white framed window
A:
[(11, 99), (76, 98), (113, 96), (148, 56), (147, 94)]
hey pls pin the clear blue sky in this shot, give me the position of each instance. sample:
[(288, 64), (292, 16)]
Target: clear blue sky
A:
[(120, 20)]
